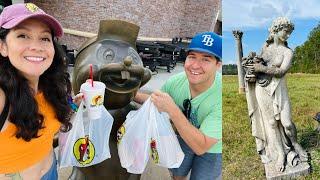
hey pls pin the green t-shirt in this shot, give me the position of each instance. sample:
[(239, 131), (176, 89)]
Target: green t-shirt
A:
[(206, 108)]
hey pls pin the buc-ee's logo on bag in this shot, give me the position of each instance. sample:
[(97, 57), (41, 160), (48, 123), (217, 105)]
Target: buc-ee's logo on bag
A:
[(120, 133), (153, 151), (83, 150)]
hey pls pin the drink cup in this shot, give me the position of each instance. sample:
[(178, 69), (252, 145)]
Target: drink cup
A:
[(93, 98)]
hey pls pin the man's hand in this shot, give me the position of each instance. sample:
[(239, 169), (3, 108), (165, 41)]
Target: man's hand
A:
[(141, 97), (196, 140), (163, 102)]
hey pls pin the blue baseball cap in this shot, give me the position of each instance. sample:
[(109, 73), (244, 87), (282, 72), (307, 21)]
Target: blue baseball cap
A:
[(207, 42)]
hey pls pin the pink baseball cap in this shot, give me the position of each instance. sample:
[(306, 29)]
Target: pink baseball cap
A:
[(14, 14)]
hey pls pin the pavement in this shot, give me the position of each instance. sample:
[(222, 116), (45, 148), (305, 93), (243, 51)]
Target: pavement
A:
[(152, 171)]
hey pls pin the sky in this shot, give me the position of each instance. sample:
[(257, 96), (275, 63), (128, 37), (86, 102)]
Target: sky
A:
[(254, 17)]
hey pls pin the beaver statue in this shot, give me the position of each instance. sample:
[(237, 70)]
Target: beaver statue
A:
[(117, 64)]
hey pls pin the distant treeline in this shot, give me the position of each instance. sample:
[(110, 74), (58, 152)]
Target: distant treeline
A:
[(229, 69), (307, 56)]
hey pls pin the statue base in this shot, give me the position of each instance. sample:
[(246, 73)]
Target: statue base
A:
[(289, 173), (242, 90)]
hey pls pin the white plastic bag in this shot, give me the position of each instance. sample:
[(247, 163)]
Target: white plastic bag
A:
[(165, 149), (148, 133), (133, 143), (87, 143)]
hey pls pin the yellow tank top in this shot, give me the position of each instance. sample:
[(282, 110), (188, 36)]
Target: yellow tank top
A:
[(17, 154)]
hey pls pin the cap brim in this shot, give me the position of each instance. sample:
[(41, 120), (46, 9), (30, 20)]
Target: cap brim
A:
[(203, 51), (47, 19)]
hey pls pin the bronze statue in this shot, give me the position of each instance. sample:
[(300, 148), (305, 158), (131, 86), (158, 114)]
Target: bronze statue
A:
[(117, 64)]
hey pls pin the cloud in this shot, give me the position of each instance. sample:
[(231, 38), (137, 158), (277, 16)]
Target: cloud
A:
[(263, 12), (227, 36), (253, 14)]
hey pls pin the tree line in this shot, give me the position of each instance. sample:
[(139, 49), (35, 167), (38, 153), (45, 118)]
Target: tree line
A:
[(229, 69), (306, 57)]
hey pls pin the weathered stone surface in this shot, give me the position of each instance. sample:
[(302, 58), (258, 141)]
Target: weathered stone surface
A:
[(238, 36), (269, 106), (289, 173)]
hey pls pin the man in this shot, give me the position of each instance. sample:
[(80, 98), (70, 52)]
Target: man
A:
[(193, 100)]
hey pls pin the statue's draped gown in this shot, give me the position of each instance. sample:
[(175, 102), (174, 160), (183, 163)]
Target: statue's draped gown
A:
[(270, 104)]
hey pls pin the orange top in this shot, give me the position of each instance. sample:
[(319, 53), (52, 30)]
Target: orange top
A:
[(17, 154)]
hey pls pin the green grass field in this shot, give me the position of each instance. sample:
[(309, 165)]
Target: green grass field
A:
[(240, 159)]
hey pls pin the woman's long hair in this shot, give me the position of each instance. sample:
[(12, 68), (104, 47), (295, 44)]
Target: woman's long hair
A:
[(24, 111)]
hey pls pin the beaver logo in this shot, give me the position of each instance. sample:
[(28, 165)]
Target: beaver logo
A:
[(83, 150), (97, 100), (154, 151), (120, 133), (32, 7)]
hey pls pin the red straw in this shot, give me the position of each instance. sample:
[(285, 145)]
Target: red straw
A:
[(91, 75)]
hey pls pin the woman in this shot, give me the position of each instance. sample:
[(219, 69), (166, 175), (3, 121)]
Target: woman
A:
[(34, 85), (268, 100)]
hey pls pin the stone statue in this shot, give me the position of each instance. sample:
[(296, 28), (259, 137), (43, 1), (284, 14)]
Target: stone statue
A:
[(317, 118), (117, 64), (268, 101)]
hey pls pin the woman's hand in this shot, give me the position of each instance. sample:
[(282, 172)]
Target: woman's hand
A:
[(74, 102), (78, 98)]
